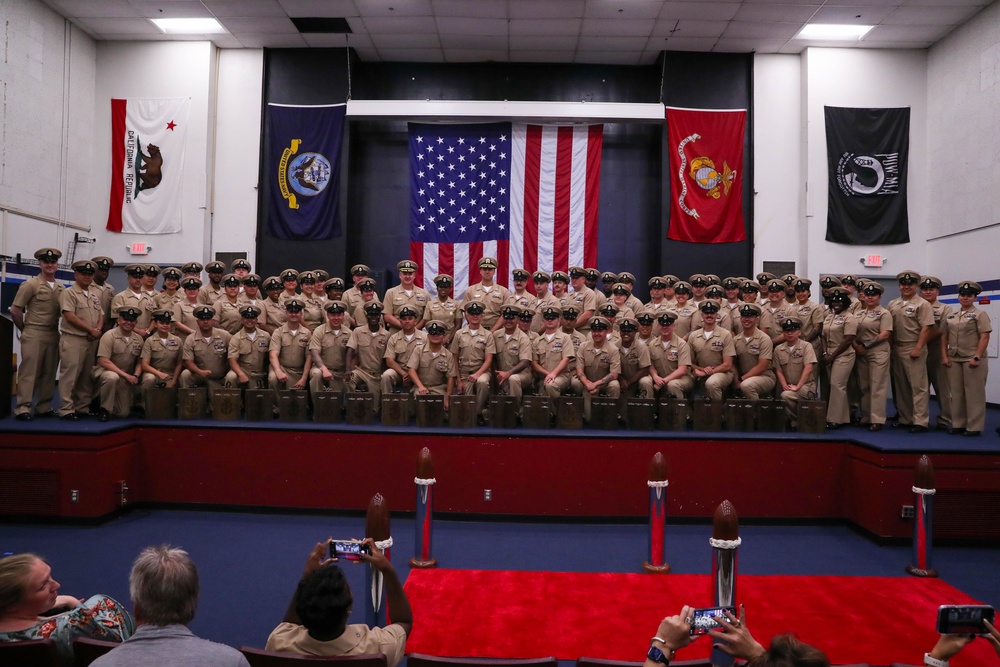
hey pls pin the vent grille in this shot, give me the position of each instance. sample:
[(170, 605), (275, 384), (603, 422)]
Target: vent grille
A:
[(33, 492), (967, 514)]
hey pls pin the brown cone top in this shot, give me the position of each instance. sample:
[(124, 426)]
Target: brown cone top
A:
[(725, 523), (923, 474), (377, 519), (425, 464), (658, 468)]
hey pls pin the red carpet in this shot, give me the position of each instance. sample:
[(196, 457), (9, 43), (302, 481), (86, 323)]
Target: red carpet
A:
[(491, 614)]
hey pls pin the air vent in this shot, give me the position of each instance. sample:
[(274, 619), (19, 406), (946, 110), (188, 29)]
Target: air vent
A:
[(308, 24), (32, 492), (967, 514)]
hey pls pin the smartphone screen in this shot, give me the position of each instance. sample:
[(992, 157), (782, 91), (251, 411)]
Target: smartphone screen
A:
[(963, 619), (711, 618), (347, 549)]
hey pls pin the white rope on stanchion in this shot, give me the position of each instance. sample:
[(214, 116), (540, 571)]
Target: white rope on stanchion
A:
[(657, 485), (384, 544), (924, 492), (725, 544), (424, 482)]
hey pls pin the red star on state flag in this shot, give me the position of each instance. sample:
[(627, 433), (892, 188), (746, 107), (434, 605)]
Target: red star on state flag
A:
[(171, 125)]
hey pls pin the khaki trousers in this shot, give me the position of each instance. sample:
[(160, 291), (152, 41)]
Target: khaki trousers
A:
[(36, 374), (77, 357)]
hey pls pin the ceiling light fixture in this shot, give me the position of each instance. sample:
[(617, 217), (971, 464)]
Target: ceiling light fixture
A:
[(189, 26), (833, 31)]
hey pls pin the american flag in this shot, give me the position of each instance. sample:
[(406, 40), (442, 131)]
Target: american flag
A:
[(525, 194)]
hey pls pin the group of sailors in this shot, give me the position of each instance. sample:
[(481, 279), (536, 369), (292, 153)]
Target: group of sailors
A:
[(580, 332)]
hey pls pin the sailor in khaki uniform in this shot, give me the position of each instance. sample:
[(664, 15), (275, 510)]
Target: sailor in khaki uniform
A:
[(487, 292), (647, 322), (658, 302), (185, 323), (568, 324), (634, 380), (964, 341), (312, 312), (431, 367), (160, 358), (912, 322), (134, 296), (192, 270), (524, 321), (444, 308), (249, 352), (712, 354), (553, 356), (632, 301), (367, 296), (289, 350), (352, 297), (151, 272), (520, 296), (205, 352), (474, 347), (774, 311), (560, 285), (171, 286), (608, 280), (81, 328), (795, 363), (543, 299), (35, 312), (250, 295), (400, 348), (937, 374), (328, 347), (840, 327), (512, 360), (686, 313), (273, 305), (212, 291), (754, 375), (404, 294), (670, 360), (101, 283), (872, 348), (118, 365), (290, 285), (227, 308), (366, 354), (598, 365), (582, 297)]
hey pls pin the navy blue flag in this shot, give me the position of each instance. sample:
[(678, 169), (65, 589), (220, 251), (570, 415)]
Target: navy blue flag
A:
[(303, 171)]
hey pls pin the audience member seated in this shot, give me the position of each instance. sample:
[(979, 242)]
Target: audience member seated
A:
[(316, 620), (31, 608), (164, 589), (674, 633)]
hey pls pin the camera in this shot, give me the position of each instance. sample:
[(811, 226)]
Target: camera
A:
[(963, 619), (703, 620), (348, 549)]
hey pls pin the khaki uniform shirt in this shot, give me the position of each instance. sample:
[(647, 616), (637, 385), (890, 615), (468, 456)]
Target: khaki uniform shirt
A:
[(209, 355), (400, 350), (251, 355), (291, 347), (128, 298), (871, 323), (184, 313), (164, 301), (352, 297), (770, 319), (835, 328), (634, 359), (793, 360), (331, 345), (264, 318), (107, 296), (85, 305), (750, 352), (433, 369), (583, 300), (209, 294), (511, 351), (40, 303), (396, 297), (538, 322), (665, 357), (687, 317), (162, 353), (445, 311), (493, 298), (369, 346), (596, 363), (711, 351), (122, 350), (909, 317), (964, 329), (275, 312), (811, 314), (548, 353), (227, 315), (470, 349)]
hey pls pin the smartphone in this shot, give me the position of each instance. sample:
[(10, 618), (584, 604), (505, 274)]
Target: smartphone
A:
[(348, 549), (963, 619), (703, 620)]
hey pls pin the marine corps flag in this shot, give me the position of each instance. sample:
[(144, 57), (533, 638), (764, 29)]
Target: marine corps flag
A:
[(303, 171), (706, 179), (147, 164), (867, 151)]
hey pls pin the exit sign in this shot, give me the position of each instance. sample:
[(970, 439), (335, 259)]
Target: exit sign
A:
[(874, 260), (139, 249)]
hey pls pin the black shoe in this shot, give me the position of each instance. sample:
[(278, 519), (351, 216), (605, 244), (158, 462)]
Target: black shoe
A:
[(103, 415), (918, 429), (45, 415), (23, 417), (875, 427), (941, 427), (957, 431), (972, 434), (899, 424), (72, 417), (832, 426)]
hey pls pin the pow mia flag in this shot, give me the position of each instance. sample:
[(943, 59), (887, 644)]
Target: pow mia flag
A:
[(867, 150)]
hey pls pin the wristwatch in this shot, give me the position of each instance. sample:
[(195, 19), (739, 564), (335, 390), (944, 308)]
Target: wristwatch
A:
[(975, 358), (934, 662), (656, 655)]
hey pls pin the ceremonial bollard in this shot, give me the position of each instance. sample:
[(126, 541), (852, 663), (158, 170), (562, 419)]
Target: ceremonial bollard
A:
[(725, 542), (425, 510), (377, 528), (923, 519), (657, 484)]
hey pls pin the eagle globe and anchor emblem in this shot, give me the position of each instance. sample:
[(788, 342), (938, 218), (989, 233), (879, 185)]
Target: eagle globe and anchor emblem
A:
[(302, 174), (705, 175)]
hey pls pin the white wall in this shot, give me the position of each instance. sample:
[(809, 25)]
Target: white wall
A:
[(779, 178), (47, 119), (237, 156), (157, 69), (864, 78)]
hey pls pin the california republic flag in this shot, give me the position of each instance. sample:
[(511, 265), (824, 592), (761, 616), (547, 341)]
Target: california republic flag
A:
[(147, 164)]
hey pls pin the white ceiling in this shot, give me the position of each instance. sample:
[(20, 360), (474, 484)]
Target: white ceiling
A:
[(618, 32)]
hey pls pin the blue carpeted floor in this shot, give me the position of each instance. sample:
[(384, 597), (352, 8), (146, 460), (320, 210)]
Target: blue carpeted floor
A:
[(249, 563)]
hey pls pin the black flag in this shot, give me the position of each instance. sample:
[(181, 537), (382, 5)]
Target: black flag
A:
[(867, 150)]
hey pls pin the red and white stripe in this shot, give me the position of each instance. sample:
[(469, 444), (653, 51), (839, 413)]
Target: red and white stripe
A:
[(555, 189)]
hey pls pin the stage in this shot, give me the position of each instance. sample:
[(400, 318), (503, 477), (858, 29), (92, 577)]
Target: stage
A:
[(50, 468)]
